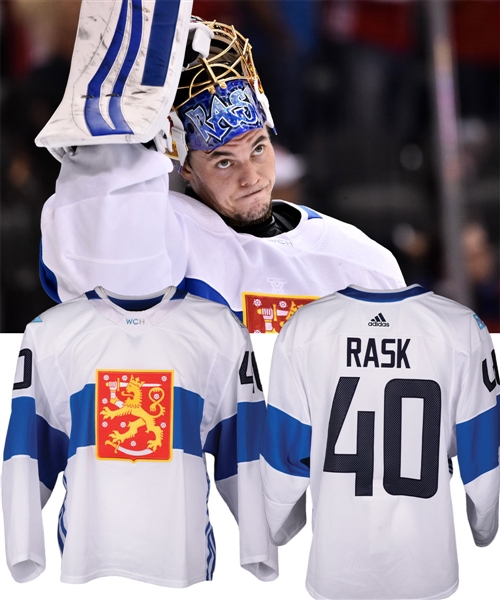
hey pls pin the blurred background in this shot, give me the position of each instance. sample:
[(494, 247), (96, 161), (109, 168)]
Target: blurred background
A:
[(387, 115)]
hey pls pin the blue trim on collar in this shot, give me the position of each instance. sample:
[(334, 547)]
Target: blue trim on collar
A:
[(385, 296), (92, 295), (136, 304), (179, 295), (197, 287), (311, 214)]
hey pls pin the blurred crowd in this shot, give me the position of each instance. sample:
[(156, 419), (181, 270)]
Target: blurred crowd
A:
[(349, 84)]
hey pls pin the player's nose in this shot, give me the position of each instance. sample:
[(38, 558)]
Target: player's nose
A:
[(248, 175)]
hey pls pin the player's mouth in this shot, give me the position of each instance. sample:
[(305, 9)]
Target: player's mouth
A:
[(253, 194)]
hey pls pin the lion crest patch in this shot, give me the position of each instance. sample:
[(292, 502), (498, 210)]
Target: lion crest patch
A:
[(134, 415)]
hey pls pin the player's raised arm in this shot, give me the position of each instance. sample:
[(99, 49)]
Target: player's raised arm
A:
[(109, 221)]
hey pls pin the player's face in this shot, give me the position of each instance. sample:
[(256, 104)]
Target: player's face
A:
[(237, 179)]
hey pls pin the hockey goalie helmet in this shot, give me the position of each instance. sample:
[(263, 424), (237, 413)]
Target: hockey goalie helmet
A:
[(220, 95)]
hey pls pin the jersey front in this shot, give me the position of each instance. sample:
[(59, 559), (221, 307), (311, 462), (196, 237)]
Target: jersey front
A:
[(371, 395), (113, 222), (126, 403)]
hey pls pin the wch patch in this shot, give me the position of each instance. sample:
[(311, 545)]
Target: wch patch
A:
[(134, 415)]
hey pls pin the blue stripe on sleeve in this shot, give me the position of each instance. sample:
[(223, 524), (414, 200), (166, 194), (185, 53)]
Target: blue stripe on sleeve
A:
[(188, 412), (251, 419), (236, 439), (48, 279), (477, 445), (498, 415), (160, 42), (30, 434), (221, 442), (286, 442), (21, 434), (52, 452)]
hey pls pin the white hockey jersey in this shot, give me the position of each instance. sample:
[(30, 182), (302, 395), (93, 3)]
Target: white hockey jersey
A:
[(127, 402), (113, 222), (371, 394)]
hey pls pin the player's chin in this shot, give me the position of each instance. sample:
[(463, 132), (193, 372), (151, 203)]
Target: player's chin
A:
[(254, 211)]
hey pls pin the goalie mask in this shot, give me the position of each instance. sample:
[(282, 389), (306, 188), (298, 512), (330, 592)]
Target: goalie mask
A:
[(219, 95)]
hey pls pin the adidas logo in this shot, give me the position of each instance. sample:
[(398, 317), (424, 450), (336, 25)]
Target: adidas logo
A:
[(378, 321)]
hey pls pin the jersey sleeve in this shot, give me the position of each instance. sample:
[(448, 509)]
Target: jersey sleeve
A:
[(285, 449), (234, 440), (478, 438), (35, 452), (110, 223)]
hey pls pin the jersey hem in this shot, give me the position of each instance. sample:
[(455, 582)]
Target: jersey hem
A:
[(446, 594), (136, 577)]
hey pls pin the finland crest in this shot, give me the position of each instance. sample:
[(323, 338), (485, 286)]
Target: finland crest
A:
[(134, 415)]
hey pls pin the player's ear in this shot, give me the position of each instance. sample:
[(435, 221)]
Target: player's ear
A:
[(186, 170)]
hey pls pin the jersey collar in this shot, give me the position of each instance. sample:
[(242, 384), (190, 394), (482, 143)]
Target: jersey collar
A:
[(397, 295)]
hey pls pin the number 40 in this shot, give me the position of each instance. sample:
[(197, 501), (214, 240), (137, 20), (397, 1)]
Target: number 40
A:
[(362, 462)]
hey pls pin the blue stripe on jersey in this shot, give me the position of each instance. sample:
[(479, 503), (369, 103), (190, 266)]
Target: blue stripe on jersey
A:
[(221, 442), (21, 434), (30, 434), (82, 405), (61, 529), (209, 534), (52, 452), (498, 414), (311, 214), (383, 297), (477, 445), (160, 42), (236, 439), (48, 279), (251, 419), (203, 290), (286, 442), (188, 412)]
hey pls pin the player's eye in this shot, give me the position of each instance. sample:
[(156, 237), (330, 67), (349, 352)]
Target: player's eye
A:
[(224, 163), (259, 149)]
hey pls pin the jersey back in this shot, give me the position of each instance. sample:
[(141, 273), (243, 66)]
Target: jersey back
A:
[(371, 395)]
